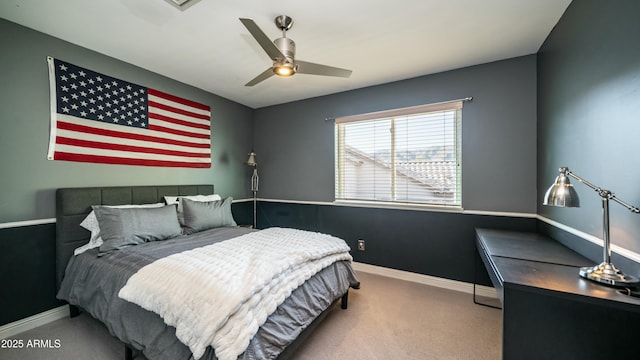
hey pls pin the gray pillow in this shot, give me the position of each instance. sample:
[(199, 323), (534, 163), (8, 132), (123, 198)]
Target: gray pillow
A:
[(120, 228), (199, 216)]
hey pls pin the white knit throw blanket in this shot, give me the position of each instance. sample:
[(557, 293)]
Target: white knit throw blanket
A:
[(220, 294)]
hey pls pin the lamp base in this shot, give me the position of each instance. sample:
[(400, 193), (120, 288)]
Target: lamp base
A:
[(607, 273)]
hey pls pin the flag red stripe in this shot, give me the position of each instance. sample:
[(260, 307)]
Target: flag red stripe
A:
[(178, 132), (176, 110), (125, 161), (178, 121), (129, 148), (126, 135), (178, 99)]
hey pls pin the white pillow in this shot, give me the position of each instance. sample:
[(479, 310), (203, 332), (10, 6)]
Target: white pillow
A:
[(91, 223), (170, 200)]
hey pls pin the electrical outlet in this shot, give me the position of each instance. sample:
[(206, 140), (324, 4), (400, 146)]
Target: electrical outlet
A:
[(361, 245)]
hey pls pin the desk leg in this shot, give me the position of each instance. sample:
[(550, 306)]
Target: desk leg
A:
[(475, 265)]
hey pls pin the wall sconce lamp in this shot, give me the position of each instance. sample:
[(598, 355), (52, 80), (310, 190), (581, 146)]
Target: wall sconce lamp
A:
[(562, 194), (254, 183)]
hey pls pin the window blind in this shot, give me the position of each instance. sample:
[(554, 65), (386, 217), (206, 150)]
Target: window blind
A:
[(408, 155)]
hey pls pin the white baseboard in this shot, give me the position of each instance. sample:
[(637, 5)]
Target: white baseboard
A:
[(34, 321), (481, 290)]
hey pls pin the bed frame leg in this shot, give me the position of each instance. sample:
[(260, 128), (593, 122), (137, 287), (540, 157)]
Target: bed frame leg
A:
[(345, 300), (128, 352)]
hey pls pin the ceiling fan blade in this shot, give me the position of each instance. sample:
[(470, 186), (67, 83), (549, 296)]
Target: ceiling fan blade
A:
[(262, 39), (263, 76), (305, 67)]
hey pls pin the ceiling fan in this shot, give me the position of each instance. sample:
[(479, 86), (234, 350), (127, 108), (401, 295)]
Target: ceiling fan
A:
[(282, 52)]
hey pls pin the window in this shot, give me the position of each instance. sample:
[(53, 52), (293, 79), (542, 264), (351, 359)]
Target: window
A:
[(409, 155)]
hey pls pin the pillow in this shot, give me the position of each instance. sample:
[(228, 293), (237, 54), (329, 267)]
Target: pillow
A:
[(176, 200), (123, 227), (199, 216), (91, 223)]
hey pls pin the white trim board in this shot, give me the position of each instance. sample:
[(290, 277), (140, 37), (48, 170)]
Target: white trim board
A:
[(26, 223), (14, 224), (410, 207), (592, 239), (455, 285), (20, 326)]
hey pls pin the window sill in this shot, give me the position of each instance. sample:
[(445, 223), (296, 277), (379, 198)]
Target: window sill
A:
[(399, 206)]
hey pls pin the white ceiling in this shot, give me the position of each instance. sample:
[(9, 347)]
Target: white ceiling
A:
[(380, 40)]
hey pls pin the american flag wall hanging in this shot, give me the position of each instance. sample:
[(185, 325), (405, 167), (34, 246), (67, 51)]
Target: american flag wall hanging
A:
[(100, 119)]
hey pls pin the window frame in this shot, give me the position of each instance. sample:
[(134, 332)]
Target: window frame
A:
[(455, 204)]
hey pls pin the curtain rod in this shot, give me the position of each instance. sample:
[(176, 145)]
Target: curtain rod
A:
[(468, 98)]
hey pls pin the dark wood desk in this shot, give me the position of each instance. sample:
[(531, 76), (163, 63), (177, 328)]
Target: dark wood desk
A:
[(549, 311)]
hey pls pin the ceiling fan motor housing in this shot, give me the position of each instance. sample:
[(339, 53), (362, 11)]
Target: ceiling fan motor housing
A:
[(287, 47)]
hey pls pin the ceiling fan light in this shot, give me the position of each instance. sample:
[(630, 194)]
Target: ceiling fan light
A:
[(283, 70)]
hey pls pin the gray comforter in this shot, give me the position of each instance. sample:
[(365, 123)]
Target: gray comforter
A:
[(92, 282)]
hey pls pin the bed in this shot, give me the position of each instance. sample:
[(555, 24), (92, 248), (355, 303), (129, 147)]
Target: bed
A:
[(95, 281)]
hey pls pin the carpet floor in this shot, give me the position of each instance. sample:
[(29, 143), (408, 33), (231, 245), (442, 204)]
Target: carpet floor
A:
[(386, 319)]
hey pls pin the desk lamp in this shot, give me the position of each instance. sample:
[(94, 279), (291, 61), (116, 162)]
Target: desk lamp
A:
[(562, 194)]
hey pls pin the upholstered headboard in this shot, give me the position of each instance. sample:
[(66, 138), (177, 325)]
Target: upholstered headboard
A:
[(73, 205)]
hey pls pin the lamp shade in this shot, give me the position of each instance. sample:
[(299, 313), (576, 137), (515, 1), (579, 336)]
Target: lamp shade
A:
[(252, 159), (561, 193)]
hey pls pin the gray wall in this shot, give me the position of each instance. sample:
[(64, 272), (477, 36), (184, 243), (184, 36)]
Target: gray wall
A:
[(295, 145), (28, 179), (589, 113)]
